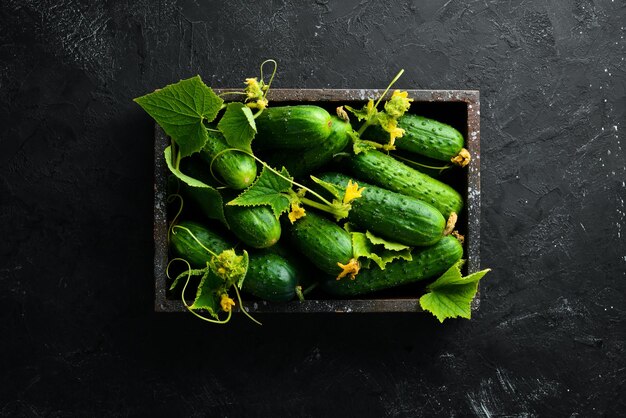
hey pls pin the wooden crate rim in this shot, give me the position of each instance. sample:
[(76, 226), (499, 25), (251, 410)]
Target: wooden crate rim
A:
[(470, 97)]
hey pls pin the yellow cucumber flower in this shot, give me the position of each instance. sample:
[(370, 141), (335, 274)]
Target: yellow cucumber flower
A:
[(398, 104), (226, 303), (296, 213), (352, 269), (253, 89), (352, 192)]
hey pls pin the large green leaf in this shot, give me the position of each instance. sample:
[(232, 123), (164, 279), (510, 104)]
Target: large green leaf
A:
[(180, 109), (209, 294), (206, 197), (268, 189), (369, 246), (238, 126), (451, 295)]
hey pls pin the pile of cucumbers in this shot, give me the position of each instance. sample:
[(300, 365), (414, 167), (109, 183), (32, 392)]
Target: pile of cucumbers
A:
[(399, 203)]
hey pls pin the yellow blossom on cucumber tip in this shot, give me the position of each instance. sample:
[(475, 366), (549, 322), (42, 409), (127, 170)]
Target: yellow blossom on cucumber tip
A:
[(351, 268), (226, 303), (352, 192)]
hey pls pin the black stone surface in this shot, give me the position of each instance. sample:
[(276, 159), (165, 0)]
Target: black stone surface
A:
[(78, 332)]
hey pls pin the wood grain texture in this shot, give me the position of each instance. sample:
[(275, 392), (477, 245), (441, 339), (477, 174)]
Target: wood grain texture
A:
[(79, 335)]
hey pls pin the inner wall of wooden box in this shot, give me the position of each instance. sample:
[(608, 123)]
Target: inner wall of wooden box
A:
[(454, 113)]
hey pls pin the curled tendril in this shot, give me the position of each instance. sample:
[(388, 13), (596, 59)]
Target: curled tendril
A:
[(214, 321)]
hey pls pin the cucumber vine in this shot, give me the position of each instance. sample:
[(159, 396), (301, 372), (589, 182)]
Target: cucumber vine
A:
[(223, 271)]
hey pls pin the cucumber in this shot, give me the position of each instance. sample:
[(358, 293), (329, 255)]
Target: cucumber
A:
[(323, 242), (185, 246), (302, 162), (426, 263), (385, 171), (279, 278), (270, 276), (235, 169), (292, 127), (423, 136), (391, 215), (255, 226)]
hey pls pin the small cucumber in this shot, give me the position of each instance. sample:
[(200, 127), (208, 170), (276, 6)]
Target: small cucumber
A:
[(270, 276), (236, 169), (391, 215), (302, 162), (385, 171), (427, 262), (183, 244), (423, 136), (255, 226), (323, 242), (279, 278), (292, 127)]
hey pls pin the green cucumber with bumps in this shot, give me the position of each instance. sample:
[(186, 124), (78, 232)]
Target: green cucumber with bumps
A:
[(183, 244), (396, 217), (235, 169), (385, 171), (255, 226), (323, 242), (426, 263), (302, 162), (269, 277), (292, 127), (423, 136)]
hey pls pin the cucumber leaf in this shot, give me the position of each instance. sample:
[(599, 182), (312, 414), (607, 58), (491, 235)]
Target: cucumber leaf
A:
[(331, 188), (208, 198), (451, 295), (180, 109), (362, 246), (208, 294), (268, 189), (171, 164), (238, 126), (367, 113), (393, 246), (184, 274), (359, 146)]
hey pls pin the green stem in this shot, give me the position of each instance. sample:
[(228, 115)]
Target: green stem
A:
[(389, 86), (317, 205), (320, 197), (242, 309), (194, 272), (295, 183), (363, 128), (310, 288), (180, 209), (231, 92), (440, 168), (271, 77), (195, 239)]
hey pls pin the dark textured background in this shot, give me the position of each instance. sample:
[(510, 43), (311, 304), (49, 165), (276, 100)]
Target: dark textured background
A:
[(78, 335)]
